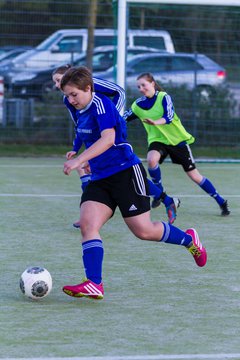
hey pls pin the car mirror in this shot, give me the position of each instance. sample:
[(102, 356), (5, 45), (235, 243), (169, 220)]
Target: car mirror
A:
[(55, 49), (130, 71)]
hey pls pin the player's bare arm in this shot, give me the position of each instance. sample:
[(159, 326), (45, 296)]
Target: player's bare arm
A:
[(161, 121), (106, 140)]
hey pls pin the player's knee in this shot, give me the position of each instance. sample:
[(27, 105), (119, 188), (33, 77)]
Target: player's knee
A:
[(152, 163), (85, 227)]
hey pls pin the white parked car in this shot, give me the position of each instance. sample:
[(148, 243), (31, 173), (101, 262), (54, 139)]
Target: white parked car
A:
[(65, 45)]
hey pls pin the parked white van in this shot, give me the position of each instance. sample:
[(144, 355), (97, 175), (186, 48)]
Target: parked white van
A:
[(62, 45)]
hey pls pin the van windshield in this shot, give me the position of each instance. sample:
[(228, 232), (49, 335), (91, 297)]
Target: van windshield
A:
[(46, 44), (104, 40), (156, 42)]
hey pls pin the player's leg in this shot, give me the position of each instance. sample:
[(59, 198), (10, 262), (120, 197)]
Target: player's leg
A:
[(93, 215), (135, 209), (156, 154), (204, 183), (84, 179), (142, 227)]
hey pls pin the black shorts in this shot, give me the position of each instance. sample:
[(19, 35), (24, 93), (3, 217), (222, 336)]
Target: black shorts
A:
[(179, 154), (127, 189)]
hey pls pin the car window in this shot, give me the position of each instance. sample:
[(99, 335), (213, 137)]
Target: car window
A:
[(12, 55), (100, 61), (104, 40), (46, 44), (154, 64), (103, 61), (70, 44), (150, 41), (184, 64)]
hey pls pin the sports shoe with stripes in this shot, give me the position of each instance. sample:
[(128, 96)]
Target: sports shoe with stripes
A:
[(86, 289), (172, 210), (198, 252)]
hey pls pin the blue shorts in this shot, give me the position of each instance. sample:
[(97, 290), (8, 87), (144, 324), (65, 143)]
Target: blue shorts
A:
[(127, 189)]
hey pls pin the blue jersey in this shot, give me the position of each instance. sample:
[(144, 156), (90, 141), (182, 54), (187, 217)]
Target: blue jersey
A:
[(99, 115), (108, 88)]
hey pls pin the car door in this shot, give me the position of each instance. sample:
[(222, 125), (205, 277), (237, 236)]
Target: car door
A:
[(185, 70), (158, 66)]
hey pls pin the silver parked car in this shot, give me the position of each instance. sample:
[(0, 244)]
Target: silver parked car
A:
[(192, 70)]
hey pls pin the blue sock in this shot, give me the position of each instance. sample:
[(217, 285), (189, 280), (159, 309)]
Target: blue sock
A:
[(173, 235), (85, 180), (208, 187), (154, 190), (157, 192), (92, 259), (156, 176), (167, 200)]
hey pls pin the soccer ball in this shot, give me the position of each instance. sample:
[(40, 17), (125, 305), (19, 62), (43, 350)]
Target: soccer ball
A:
[(36, 282)]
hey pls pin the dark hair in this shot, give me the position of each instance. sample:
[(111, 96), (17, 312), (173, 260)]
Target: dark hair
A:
[(149, 77), (61, 69), (80, 76)]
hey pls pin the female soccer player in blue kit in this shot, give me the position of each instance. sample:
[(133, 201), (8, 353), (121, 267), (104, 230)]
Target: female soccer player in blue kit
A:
[(117, 95), (110, 89), (167, 136), (115, 169)]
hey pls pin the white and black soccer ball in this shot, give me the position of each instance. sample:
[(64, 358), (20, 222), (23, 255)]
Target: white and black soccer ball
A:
[(36, 282)]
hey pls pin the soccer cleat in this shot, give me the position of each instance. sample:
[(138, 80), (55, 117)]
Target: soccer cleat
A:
[(86, 289), (76, 224), (172, 210), (157, 200), (224, 209), (196, 249)]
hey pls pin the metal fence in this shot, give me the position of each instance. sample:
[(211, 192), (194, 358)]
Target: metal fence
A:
[(211, 30)]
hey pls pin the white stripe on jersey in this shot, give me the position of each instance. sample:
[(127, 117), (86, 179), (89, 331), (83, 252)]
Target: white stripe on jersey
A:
[(99, 104), (170, 112), (142, 98), (140, 180), (114, 87)]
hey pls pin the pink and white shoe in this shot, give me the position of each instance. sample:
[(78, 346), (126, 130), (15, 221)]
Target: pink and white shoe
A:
[(86, 289), (196, 249)]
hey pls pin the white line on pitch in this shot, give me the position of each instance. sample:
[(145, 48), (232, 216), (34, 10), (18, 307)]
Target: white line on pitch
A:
[(220, 356), (39, 195)]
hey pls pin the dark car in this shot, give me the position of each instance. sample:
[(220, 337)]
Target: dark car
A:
[(7, 53), (36, 83)]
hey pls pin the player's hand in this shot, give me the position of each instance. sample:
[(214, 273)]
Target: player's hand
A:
[(70, 165), (70, 154), (86, 168)]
